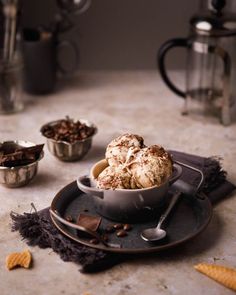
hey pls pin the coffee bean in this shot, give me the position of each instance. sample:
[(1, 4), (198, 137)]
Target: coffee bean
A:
[(118, 226), (94, 241), (109, 229), (105, 237), (121, 233), (69, 218), (127, 227)]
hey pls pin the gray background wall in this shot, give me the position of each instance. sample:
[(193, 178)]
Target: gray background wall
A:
[(127, 33), (121, 34)]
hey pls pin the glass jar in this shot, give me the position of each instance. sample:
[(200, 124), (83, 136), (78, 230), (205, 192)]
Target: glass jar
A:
[(11, 84)]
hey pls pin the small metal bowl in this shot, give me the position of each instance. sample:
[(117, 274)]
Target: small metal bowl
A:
[(66, 151), (18, 176)]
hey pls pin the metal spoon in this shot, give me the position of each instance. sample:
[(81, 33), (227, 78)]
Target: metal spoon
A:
[(156, 233)]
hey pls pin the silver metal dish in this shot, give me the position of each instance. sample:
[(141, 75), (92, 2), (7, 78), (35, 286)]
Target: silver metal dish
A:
[(66, 151), (18, 176)]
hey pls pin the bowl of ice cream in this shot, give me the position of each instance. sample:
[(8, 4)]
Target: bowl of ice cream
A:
[(132, 182)]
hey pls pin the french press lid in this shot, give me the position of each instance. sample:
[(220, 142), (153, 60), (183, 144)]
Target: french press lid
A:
[(213, 22)]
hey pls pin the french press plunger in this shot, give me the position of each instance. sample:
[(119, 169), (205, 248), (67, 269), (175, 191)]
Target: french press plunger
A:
[(211, 64)]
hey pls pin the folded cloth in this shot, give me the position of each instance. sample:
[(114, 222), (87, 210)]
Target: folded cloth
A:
[(38, 230), (215, 184)]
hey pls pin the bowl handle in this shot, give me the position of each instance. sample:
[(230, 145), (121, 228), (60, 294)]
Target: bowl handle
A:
[(176, 175), (83, 183)]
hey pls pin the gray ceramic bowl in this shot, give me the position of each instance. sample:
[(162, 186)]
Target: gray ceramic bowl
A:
[(19, 175), (66, 151), (126, 204)]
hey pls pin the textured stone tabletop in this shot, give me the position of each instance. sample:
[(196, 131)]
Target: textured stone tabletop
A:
[(136, 102)]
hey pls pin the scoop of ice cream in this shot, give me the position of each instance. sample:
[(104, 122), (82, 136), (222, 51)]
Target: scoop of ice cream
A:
[(149, 166), (117, 149), (133, 165), (115, 177)]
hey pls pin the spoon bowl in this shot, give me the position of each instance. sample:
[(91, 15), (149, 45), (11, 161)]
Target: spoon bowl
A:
[(153, 234), (156, 233), (180, 186)]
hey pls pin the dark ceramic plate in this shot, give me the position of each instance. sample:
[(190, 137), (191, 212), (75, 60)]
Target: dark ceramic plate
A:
[(190, 216)]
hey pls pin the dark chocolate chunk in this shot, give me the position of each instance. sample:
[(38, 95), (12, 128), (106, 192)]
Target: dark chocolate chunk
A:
[(12, 159), (32, 152), (89, 222), (15, 155)]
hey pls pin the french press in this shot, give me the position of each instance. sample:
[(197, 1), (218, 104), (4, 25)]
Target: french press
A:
[(211, 64)]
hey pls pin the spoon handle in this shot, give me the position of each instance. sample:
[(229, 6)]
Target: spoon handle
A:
[(83, 229), (194, 169), (173, 201)]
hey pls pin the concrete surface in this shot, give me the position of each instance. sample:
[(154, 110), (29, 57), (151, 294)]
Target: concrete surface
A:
[(117, 102)]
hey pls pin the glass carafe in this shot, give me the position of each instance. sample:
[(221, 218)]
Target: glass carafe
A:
[(211, 65)]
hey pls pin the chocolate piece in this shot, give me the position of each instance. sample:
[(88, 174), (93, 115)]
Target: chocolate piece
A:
[(68, 130), (127, 227), (118, 226), (121, 233), (12, 159), (32, 152), (89, 222), (15, 155)]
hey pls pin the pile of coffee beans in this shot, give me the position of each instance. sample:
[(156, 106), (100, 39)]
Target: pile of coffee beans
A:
[(68, 130)]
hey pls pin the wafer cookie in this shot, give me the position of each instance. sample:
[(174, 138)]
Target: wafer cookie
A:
[(223, 275), (22, 259)]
